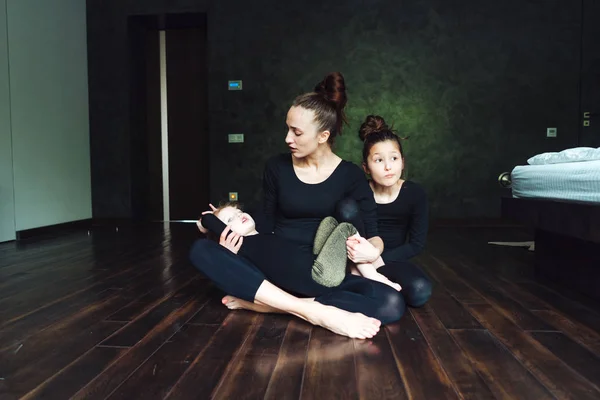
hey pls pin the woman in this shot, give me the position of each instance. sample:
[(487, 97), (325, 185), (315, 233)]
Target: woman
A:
[(301, 189), (401, 209)]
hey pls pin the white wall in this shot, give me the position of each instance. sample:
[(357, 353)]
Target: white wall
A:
[(47, 48), (7, 206)]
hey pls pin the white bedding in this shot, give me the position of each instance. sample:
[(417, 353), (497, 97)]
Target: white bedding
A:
[(576, 181), (574, 154)]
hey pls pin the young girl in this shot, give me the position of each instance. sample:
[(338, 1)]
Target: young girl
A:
[(402, 214), (268, 251)]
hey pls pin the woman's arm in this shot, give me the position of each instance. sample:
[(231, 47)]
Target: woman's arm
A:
[(418, 228)]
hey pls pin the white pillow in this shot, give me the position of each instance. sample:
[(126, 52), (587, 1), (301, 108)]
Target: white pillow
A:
[(576, 154)]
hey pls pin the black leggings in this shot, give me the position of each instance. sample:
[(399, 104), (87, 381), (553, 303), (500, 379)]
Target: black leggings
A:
[(416, 286), (238, 277)]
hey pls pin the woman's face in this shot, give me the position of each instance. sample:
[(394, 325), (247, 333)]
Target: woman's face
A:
[(303, 137), (385, 163), (239, 221)]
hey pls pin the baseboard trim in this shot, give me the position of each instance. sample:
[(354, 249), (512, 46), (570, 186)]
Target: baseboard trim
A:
[(56, 229)]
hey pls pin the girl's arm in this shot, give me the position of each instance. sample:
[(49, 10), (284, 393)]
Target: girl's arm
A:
[(362, 193), (228, 239), (418, 228)]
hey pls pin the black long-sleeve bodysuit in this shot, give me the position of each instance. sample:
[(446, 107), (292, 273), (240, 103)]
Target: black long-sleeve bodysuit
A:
[(403, 226)]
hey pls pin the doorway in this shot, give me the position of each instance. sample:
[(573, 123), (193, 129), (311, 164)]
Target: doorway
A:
[(169, 116)]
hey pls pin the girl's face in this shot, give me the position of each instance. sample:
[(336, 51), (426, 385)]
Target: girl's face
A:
[(385, 163), (240, 222)]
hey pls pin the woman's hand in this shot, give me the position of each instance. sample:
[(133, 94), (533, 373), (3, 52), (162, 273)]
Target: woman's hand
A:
[(360, 250), (233, 242), (201, 228)]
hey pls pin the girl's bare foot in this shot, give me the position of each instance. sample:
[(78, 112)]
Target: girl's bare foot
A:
[(392, 284), (353, 325), (381, 278), (233, 303)]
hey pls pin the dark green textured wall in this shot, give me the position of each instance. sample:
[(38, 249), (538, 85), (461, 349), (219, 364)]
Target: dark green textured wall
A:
[(473, 85)]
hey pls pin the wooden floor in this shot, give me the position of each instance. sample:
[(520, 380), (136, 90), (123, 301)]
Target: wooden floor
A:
[(123, 315)]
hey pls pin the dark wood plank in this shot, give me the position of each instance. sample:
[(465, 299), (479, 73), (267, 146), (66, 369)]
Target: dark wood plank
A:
[(19, 331), (503, 374), (23, 258), (422, 374), (449, 310), (205, 372), (452, 314), (269, 337), (30, 347), (73, 310), (113, 376), (551, 371), (70, 278), (215, 312), (521, 296), (580, 333), (568, 307), (156, 377), (376, 371), (159, 291), (137, 329), (462, 292), (24, 371), (76, 375), (463, 376), (572, 354), (249, 376), (44, 272), (287, 377), (504, 304), (330, 371), (26, 303)]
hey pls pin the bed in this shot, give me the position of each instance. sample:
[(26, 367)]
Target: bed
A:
[(561, 201), (573, 181)]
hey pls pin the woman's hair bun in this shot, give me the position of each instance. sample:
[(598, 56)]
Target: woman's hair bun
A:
[(333, 88), (372, 124)]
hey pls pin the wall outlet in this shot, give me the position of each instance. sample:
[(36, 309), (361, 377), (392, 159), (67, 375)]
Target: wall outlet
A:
[(551, 132), (236, 138), (233, 196)]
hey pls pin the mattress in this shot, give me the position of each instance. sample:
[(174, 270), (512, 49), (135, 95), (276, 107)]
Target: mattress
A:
[(571, 181)]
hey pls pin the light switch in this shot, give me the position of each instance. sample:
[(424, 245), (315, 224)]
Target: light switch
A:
[(551, 132), (236, 138)]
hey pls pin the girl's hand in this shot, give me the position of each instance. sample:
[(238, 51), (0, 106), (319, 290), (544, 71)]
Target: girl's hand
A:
[(360, 250), (199, 222), (233, 242)]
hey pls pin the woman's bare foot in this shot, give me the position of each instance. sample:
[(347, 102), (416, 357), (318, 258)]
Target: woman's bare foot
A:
[(353, 325), (233, 303)]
